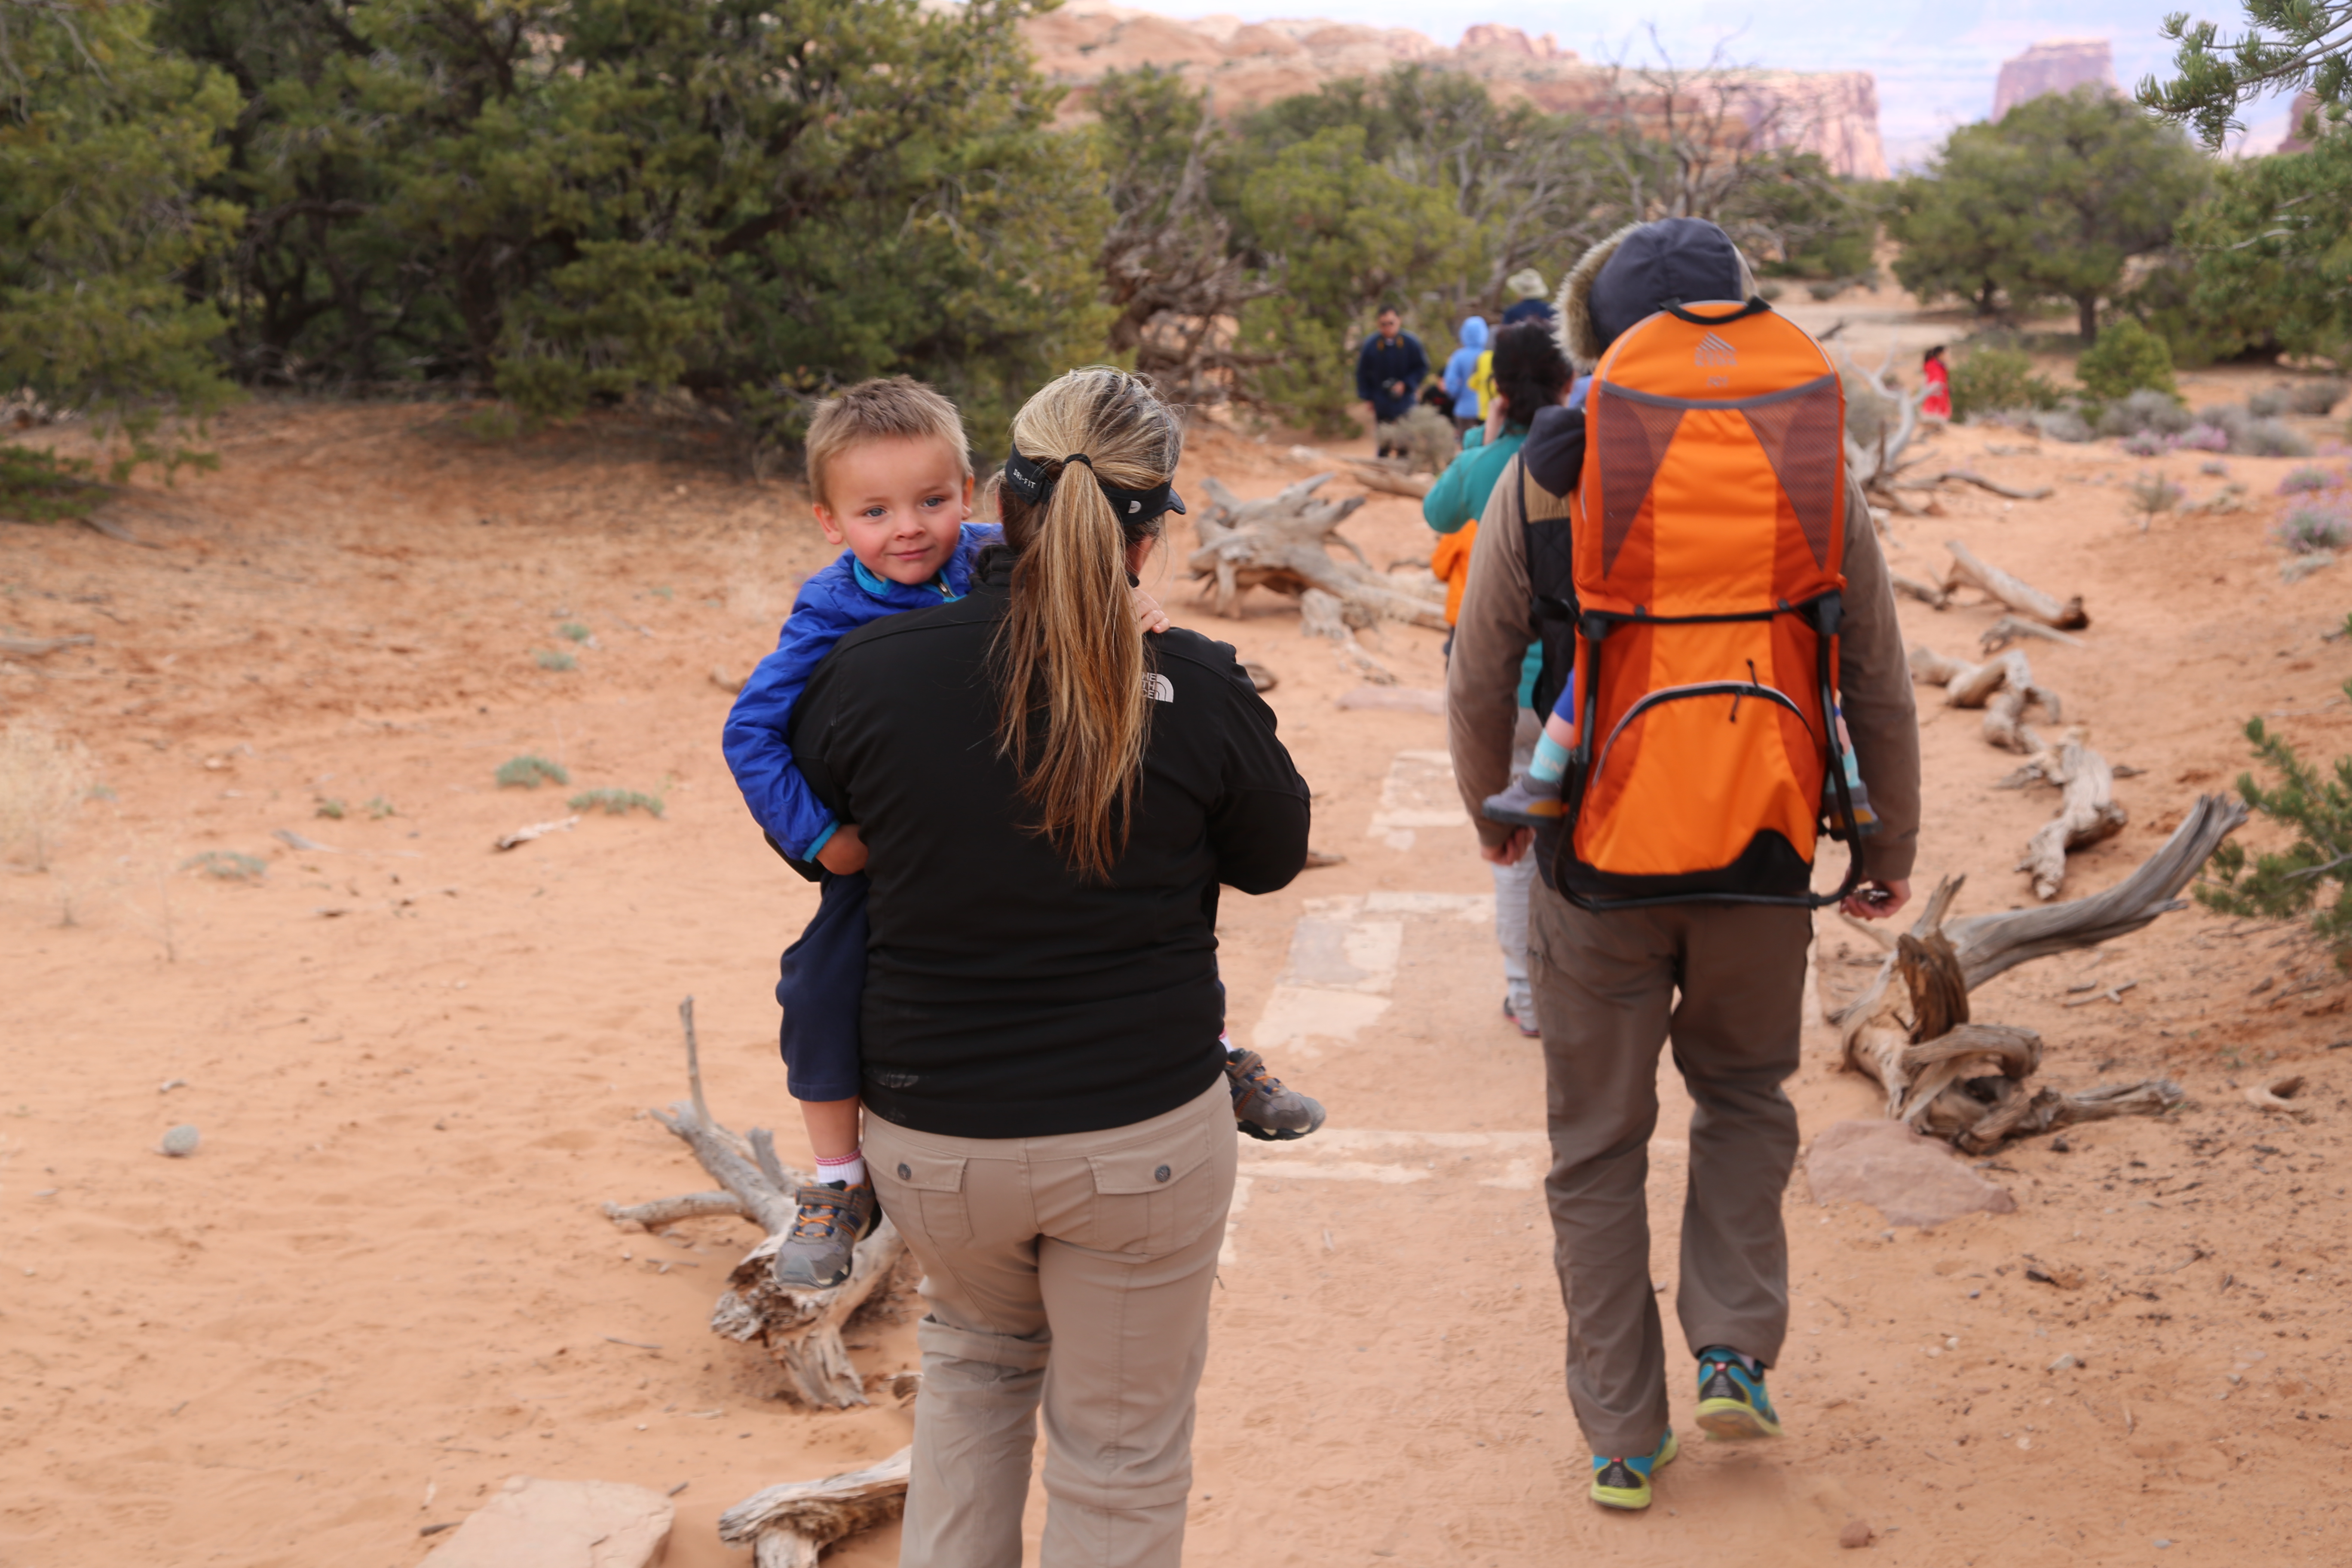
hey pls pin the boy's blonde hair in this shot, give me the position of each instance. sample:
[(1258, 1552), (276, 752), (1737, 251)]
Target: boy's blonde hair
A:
[(890, 407)]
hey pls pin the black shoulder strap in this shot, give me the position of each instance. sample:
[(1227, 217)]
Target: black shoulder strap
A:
[(1550, 549)]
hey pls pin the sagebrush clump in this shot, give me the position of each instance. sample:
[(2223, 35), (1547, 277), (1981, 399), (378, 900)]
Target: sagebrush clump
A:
[(228, 866), (2309, 529), (529, 772), (617, 802)]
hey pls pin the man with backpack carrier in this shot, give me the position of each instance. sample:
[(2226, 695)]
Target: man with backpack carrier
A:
[(1727, 687)]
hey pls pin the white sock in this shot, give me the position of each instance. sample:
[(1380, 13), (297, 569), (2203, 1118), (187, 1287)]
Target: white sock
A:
[(849, 1170)]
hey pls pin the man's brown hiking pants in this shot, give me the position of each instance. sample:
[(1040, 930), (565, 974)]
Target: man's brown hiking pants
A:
[(1606, 995)]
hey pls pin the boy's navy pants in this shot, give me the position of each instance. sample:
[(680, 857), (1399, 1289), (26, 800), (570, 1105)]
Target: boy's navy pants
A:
[(821, 986)]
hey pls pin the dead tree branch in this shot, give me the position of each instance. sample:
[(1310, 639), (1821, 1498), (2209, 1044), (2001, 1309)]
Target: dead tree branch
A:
[(1282, 542), (1966, 1081), (800, 1328), (792, 1525), (2087, 815), (2016, 593)]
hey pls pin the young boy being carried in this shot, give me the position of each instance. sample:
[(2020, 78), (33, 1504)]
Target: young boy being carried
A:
[(889, 478)]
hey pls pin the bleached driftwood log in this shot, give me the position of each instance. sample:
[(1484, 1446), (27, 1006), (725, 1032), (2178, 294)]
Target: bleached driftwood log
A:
[(2008, 628), (800, 1328), (1322, 616), (2015, 592), (2087, 815), (1391, 475), (1880, 421), (2003, 687), (1970, 477), (1927, 594), (1966, 1081), (1281, 541), (791, 1525)]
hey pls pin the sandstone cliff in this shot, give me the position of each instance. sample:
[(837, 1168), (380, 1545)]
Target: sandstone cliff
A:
[(2056, 65), (1243, 64)]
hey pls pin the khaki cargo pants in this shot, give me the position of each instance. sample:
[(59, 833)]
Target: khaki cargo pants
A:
[(1606, 995), (1073, 1269)]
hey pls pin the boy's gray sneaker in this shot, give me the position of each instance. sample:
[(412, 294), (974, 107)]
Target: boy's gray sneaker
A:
[(1263, 1105), (833, 1220), (1526, 803)]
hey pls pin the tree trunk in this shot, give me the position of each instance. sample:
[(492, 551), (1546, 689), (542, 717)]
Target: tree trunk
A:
[(2086, 315)]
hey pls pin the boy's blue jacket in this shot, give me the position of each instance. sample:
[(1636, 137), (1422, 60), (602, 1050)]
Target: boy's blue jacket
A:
[(830, 604)]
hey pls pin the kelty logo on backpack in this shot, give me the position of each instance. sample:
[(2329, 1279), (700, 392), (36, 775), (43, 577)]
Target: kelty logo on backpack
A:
[(1713, 349)]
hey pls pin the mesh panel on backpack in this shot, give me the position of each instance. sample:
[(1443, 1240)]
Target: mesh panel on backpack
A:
[(1804, 438)]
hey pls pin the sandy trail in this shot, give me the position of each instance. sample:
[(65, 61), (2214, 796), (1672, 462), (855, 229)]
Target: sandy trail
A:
[(384, 1285)]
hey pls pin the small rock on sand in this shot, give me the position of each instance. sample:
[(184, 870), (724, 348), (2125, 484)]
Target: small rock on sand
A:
[(534, 1523), (181, 1140), (1912, 1180), (1857, 1533)]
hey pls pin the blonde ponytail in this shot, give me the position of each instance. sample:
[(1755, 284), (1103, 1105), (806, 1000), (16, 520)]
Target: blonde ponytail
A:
[(1070, 649)]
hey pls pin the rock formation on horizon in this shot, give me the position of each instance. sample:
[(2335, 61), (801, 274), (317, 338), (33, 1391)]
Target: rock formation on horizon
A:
[(2054, 65), (1243, 64)]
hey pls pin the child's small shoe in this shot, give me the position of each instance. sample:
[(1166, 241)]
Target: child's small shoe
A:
[(1263, 1107), (1526, 803), (818, 1252)]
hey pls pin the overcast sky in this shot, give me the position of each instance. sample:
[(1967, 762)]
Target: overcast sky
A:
[(1935, 60)]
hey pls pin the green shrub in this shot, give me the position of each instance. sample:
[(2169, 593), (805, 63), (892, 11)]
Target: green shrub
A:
[(41, 486), (554, 659), (575, 631), (1996, 381), (2319, 809), (227, 865), (379, 808), (331, 808), (526, 771), (616, 801), (2127, 358)]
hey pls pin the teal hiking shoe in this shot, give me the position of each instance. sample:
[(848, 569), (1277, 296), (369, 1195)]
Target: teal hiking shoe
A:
[(1731, 1399), (1625, 1483)]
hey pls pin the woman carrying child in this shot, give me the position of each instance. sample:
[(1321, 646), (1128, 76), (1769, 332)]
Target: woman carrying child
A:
[(1050, 800), (889, 478)]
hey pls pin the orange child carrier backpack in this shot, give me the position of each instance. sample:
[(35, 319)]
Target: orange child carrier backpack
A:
[(1708, 532)]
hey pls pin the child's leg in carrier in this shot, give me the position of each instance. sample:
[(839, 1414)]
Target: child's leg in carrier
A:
[(821, 986), (1264, 1107), (1534, 797)]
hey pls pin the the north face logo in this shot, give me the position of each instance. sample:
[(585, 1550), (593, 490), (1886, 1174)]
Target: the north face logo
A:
[(1713, 349)]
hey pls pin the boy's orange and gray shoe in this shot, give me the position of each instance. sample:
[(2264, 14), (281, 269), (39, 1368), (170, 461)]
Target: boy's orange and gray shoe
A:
[(1263, 1107), (1527, 803), (817, 1253), (1625, 1483)]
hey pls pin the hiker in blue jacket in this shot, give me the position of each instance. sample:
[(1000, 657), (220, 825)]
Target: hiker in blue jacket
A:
[(1459, 368)]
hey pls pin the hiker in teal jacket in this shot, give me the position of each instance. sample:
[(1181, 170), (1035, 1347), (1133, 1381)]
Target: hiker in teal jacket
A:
[(1529, 373)]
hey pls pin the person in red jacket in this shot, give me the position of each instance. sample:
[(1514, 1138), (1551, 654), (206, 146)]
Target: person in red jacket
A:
[(1938, 403)]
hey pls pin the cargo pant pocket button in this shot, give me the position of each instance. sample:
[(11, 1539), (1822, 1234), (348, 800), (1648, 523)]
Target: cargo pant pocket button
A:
[(904, 1173), (1161, 1175)]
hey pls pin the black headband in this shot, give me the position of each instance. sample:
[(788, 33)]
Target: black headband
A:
[(1027, 478)]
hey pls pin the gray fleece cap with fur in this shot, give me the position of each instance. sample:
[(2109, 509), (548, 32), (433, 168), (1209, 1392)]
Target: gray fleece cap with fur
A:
[(1632, 273)]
